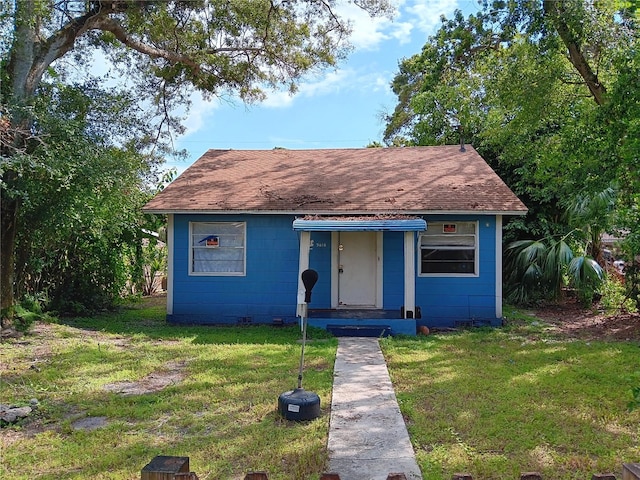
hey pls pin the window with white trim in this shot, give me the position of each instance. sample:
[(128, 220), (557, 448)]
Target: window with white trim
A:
[(449, 248), (217, 248)]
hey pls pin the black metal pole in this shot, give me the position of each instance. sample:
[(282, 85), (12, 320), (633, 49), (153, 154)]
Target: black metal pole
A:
[(304, 341)]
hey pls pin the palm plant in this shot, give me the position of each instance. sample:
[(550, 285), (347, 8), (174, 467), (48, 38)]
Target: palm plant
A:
[(539, 269), (593, 214), (524, 266)]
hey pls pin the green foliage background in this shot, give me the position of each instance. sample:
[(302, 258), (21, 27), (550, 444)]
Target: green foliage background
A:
[(549, 93), (81, 189)]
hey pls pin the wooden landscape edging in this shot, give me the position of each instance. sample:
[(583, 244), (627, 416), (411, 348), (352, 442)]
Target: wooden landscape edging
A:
[(630, 471), (177, 468)]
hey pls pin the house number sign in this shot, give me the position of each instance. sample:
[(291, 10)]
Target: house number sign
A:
[(318, 244)]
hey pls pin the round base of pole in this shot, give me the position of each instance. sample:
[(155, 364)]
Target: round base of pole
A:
[(299, 404)]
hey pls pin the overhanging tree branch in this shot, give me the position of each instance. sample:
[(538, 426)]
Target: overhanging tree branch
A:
[(55, 47), (110, 25), (554, 9)]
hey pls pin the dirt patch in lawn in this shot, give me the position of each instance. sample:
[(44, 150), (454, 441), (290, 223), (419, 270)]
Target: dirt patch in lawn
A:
[(172, 373), (569, 318)]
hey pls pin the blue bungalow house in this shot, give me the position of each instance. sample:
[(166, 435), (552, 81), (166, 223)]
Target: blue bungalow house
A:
[(400, 238)]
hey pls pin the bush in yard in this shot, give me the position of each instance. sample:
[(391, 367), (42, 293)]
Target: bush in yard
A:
[(28, 311), (615, 298)]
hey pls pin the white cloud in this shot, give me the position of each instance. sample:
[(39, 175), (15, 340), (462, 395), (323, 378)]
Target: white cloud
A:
[(367, 32), (200, 112), (426, 16), (334, 82), (401, 31), (331, 82), (279, 99), (410, 16)]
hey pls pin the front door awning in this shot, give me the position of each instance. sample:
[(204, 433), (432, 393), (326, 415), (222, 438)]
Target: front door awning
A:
[(359, 224)]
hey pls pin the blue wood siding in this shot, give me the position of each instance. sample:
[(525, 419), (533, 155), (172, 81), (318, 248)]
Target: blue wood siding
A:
[(451, 301), (267, 291)]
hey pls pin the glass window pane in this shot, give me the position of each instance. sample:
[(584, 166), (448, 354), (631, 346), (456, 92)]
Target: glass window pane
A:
[(218, 247), (432, 255), (450, 250), (448, 267)]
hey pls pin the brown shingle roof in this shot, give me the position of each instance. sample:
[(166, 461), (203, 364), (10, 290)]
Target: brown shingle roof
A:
[(366, 180)]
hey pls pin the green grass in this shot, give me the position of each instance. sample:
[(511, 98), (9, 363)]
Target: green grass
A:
[(222, 413), (490, 402), (498, 402)]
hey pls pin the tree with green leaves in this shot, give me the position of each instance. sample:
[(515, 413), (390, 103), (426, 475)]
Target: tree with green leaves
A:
[(81, 225), (166, 48), (547, 91), (532, 44)]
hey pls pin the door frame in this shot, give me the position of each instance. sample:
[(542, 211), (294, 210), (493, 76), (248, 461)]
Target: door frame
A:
[(335, 270)]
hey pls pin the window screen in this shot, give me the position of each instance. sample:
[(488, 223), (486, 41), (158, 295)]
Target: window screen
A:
[(218, 248)]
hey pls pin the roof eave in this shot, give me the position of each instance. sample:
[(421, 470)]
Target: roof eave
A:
[(333, 212)]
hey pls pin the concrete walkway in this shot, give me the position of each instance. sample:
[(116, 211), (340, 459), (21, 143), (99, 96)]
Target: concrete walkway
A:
[(367, 435)]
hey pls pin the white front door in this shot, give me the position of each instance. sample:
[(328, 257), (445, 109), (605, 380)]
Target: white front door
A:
[(358, 269)]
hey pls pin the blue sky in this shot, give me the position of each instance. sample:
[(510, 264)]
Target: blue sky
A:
[(338, 108)]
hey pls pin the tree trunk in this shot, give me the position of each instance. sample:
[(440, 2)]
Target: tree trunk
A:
[(556, 11), (8, 227)]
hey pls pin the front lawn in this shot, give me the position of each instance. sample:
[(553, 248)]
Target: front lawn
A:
[(496, 403), (117, 390)]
